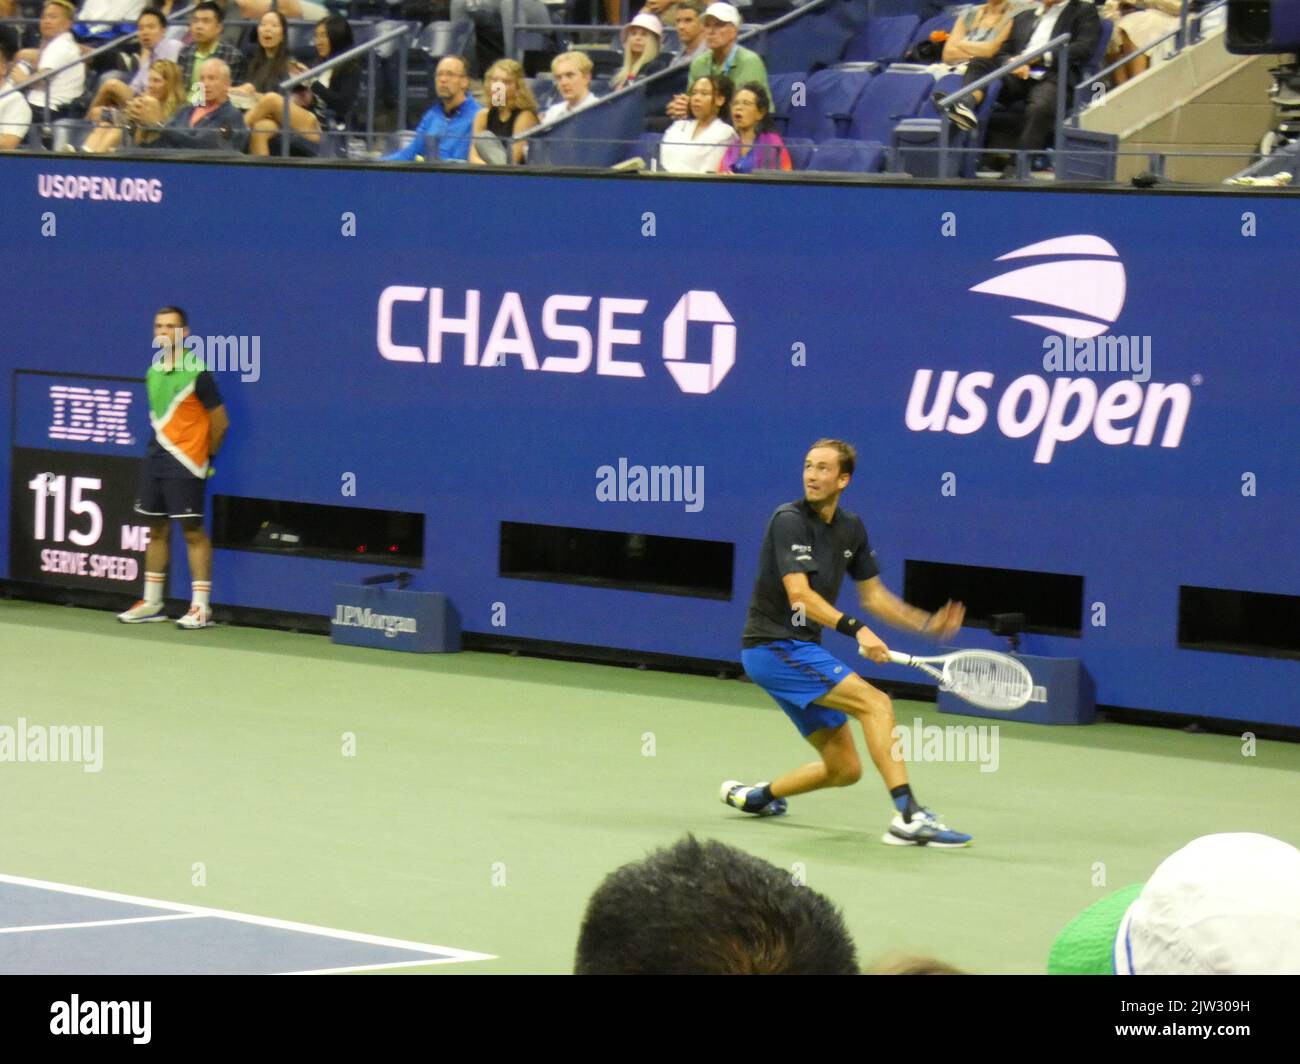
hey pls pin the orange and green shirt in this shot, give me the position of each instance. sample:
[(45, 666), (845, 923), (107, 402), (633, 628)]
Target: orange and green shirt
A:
[(179, 401)]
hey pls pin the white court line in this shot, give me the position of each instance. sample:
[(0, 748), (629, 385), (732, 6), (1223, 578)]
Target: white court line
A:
[(378, 967), (451, 954), (100, 923)]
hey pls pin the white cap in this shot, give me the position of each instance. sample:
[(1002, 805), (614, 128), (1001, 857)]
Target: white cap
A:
[(646, 21), (723, 12), (1222, 905)]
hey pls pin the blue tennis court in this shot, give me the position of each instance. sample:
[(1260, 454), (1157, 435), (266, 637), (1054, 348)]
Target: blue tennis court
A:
[(55, 929)]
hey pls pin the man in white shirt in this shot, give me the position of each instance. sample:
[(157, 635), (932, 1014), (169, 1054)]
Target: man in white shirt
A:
[(572, 73), (1036, 81), (15, 114), (57, 48)]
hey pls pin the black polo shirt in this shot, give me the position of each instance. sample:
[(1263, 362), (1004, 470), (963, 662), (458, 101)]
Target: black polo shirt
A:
[(799, 541)]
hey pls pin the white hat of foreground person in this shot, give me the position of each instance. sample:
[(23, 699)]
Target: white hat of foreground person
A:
[(1222, 905)]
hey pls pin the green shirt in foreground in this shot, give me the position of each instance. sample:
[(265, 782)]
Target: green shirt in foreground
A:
[(741, 66)]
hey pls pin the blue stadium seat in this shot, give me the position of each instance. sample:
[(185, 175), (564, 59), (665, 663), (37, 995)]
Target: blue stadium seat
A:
[(801, 150), (947, 85), (647, 146), (829, 93), (851, 13), (888, 98), (781, 86), (881, 39), (848, 156), (808, 43)]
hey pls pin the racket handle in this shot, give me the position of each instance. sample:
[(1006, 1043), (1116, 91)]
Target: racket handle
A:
[(896, 656)]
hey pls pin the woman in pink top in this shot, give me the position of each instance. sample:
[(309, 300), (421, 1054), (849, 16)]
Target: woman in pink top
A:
[(758, 146)]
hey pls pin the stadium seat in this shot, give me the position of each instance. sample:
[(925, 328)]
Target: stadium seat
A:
[(881, 39), (848, 156), (807, 43), (830, 93), (647, 147), (438, 39), (801, 150), (886, 99), (781, 86)]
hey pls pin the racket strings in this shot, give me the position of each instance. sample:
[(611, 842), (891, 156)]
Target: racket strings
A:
[(987, 678)]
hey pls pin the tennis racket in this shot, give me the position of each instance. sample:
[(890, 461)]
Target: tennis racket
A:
[(983, 678)]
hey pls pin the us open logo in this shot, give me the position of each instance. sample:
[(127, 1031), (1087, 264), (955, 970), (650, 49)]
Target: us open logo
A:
[(1085, 278), (574, 345)]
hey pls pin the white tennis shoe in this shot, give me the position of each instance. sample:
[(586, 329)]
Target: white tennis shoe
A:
[(924, 829), (198, 617), (142, 613)]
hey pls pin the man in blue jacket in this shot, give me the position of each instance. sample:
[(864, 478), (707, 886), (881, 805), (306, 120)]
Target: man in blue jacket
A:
[(444, 132)]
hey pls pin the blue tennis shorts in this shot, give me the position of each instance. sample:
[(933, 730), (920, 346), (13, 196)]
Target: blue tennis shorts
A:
[(796, 673)]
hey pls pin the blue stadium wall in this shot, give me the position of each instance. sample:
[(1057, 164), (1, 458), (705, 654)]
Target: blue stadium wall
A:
[(869, 287)]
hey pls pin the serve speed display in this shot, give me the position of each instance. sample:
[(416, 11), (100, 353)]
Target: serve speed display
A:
[(74, 472)]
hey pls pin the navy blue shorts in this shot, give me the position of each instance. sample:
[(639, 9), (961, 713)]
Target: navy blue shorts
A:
[(796, 673), (170, 496)]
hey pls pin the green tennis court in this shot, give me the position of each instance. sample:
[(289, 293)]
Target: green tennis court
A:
[(481, 797)]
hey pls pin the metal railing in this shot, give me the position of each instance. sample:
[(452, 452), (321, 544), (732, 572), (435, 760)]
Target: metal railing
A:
[(1184, 35), (1059, 44), (368, 49)]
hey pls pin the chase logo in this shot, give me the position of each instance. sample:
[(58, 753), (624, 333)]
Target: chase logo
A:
[(1084, 277), (603, 333), (90, 415)]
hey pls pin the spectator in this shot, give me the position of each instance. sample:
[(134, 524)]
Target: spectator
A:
[(214, 125), (450, 119), (979, 33), (164, 86), (690, 30), (1034, 83), (270, 63), (705, 908), (641, 58), (758, 146), (1222, 905), (572, 73), (725, 56), (334, 94), (661, 9), (511, 112), (697, 145), (152, 26), (1138, 23), (15, 112), (206, 24), (57, 48)]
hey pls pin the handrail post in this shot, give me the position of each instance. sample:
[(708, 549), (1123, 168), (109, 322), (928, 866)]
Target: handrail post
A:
[(404, 50), (1062, 73)]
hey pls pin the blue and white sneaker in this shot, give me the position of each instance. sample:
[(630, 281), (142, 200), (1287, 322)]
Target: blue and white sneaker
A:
[(738, 796), (924, 829)]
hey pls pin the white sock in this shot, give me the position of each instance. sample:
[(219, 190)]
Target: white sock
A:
[(202, 593), (153, 588)]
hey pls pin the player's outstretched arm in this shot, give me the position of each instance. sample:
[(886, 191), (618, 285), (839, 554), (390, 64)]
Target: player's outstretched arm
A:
[(880, 602)]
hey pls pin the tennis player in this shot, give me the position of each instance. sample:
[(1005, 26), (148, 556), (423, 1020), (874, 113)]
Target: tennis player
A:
[(808, 547), (189, 423)]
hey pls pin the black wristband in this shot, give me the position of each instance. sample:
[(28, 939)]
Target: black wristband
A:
[(847, 625)]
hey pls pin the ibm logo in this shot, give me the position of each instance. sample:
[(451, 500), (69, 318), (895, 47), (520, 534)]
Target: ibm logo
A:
[(97, 415)]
